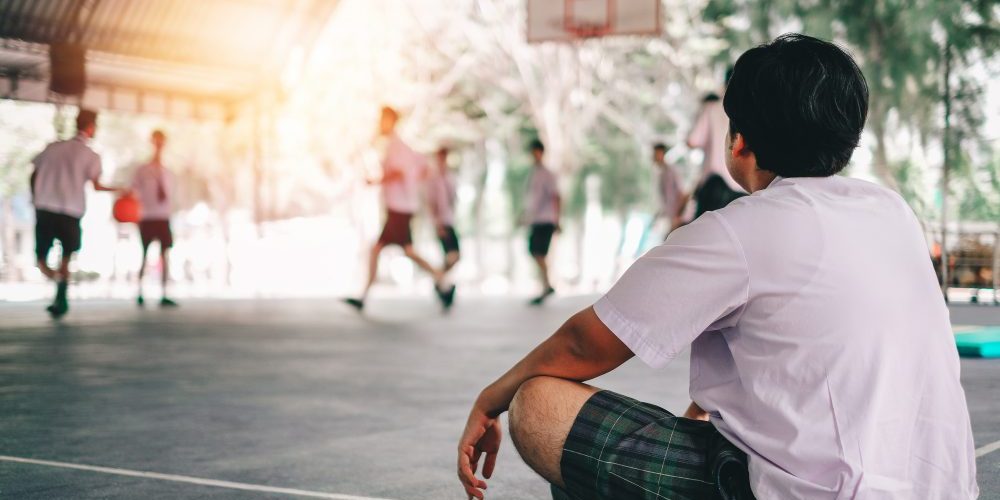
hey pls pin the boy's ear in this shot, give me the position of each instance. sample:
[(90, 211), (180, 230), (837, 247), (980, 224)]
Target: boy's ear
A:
[(740, 145)]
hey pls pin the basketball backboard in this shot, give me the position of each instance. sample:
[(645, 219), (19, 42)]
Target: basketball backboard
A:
[(567, 20)]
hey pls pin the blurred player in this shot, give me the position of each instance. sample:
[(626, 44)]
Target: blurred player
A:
[(715, 187), (61, 172), (668, 188), (154, 187), (542, 210), (441, 197), (401, 173)]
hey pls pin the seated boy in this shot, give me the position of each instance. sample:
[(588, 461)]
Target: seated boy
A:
[(822, 360)]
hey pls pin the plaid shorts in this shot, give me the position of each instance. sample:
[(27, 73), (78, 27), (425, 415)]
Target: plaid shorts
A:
[(620, 448)]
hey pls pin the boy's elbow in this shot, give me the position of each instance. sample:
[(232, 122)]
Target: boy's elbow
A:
[(578, 344)]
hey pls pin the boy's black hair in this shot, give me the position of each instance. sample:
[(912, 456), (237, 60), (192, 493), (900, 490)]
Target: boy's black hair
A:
[(660, 147), (800, 104), (710, 97), (85, 118), (536, 145)]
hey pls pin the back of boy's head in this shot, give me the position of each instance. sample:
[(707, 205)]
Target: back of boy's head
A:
[(85, 118), (660, 147), (536, 145), (800, 104)]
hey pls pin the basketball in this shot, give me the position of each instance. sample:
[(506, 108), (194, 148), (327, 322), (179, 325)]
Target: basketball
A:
[(127, 209)]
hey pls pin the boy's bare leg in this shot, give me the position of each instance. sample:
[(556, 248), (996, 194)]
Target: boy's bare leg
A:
[(142, 274), (165, 278), (541, 416), (450, 259), (543, 271), (423, 264), (47, 271), (372, 268)]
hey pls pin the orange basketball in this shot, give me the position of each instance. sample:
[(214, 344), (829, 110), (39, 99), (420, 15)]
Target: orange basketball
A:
[(127, 209)]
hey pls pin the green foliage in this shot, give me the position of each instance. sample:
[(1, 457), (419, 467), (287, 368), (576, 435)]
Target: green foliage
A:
[(905, 48), (623, 170), (25, 129)]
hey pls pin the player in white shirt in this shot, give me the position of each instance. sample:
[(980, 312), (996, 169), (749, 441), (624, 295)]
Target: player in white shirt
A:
[(402, 171), (61, 172), (154, 187), (668, 188), (543, 205), (823, 364), (441, 198), (715, 187)]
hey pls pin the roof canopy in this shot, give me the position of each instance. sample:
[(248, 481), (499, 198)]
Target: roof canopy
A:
[(178, 57)]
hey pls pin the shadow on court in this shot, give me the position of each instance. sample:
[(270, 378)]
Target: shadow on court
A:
[(232, 399)]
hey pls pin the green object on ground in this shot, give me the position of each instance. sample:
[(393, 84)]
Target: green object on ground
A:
[(980, 342)]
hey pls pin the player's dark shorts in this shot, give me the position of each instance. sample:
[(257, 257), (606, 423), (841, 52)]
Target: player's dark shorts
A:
[(449, 242), (540, 239), (51, 226), (156, 230), (396, 230), (620, 448), (714, 194)]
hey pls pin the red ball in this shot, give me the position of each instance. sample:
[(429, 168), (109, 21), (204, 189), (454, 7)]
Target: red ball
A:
[(127, 209)]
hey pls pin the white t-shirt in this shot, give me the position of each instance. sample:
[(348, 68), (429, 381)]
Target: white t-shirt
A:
[(441, 197), (62, 170), (402, 194), (543, 196), (154, 186), (820, 342), (709, 135)]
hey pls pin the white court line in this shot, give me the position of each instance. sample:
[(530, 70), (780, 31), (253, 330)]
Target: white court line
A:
[(990, 448), (186, 479)]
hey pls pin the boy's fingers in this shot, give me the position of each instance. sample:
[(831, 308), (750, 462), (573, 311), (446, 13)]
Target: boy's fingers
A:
[(489, 465)]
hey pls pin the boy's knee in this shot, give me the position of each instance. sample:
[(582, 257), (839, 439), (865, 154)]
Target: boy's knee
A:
[(541, 415), (526, 407)]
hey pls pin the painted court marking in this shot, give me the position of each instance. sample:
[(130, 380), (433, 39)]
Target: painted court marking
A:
[(990, 448), (186, 479)]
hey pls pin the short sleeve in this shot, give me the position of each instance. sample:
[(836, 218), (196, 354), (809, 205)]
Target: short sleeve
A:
[(94, 168), (38, 158), (697, 281), (552, 186)]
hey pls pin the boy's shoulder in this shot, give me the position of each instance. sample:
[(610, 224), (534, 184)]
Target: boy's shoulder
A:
[(799, 196)]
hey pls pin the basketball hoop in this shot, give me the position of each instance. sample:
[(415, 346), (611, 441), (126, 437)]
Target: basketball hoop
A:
[(568, 20), (588, 18)]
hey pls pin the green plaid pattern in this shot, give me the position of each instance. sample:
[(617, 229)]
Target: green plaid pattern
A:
[(620, 448)]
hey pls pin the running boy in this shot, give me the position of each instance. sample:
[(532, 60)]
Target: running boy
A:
[(402, 170), (441, 196), (154, 187), (542, 209), (61, 173), (823, 366)]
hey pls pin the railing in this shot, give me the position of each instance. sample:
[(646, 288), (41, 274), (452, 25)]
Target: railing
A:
[(973, 260)]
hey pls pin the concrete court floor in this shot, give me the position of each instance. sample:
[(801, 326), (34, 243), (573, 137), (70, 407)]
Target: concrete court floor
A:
[(299, 394)]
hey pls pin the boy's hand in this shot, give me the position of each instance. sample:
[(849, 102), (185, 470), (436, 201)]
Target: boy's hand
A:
[(695, 412), (482, 435)]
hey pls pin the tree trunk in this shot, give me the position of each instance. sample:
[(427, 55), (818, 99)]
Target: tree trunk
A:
[(7, 248)]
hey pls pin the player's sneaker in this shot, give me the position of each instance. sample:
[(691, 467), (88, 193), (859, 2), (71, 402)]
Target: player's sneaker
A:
[(537, 301), (357, 304)]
